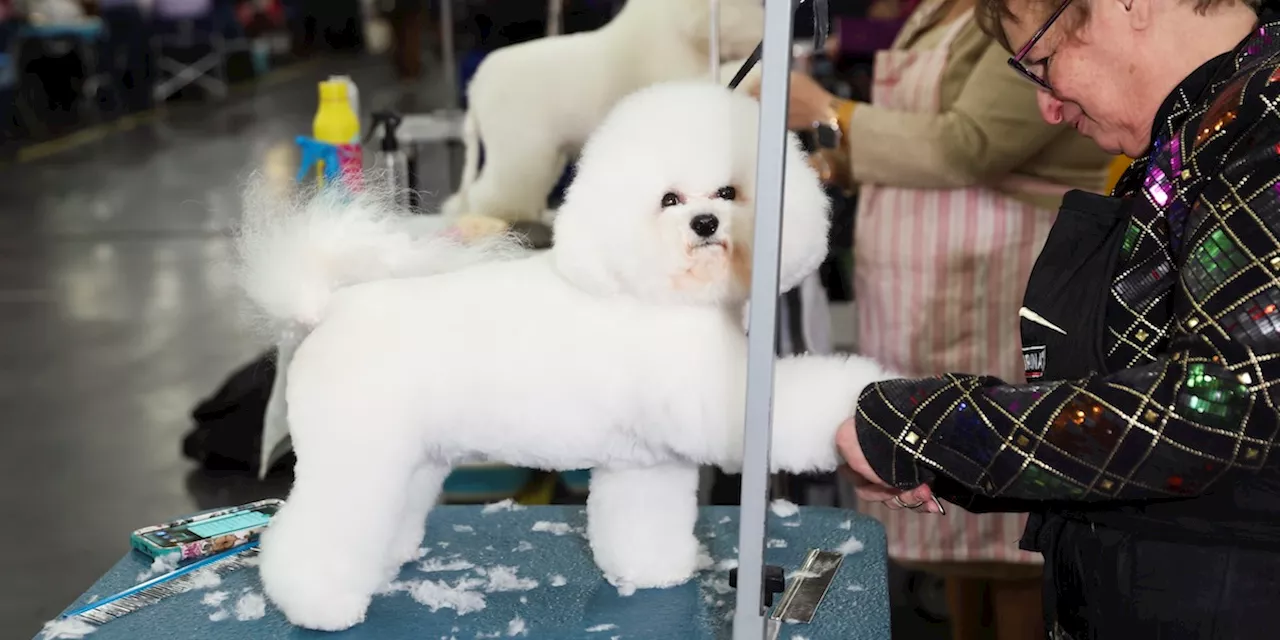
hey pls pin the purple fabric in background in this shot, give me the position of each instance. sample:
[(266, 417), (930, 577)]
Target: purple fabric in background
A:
[(865, 36)]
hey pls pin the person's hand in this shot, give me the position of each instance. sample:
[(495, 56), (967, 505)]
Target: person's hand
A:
[(870, 487), (810, 103)]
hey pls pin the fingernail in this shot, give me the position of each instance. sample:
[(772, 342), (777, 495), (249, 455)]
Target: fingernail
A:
[(938, 503)]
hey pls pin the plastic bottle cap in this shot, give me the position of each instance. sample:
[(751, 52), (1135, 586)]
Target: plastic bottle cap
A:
[(333, 91)]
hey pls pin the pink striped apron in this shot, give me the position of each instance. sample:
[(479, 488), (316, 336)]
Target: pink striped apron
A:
[(939, 276)]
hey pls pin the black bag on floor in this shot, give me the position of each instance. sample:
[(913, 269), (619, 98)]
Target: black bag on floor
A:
[(228, 425)]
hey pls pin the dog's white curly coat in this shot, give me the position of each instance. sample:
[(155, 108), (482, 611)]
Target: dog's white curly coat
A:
[(531, 106), (621, 350)]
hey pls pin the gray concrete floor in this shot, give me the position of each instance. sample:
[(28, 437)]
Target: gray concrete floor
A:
[(118, 315)]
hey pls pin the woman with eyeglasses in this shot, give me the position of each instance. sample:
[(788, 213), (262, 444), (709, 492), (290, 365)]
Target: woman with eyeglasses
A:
[(1144, 442), (959, 179)]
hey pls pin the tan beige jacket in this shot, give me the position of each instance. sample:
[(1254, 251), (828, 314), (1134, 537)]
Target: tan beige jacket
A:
[(989, 129)]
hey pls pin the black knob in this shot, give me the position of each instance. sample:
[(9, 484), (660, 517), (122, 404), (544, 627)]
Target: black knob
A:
[(704, 224), (775, 581)]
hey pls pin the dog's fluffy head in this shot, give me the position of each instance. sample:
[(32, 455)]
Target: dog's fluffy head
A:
[(662, 204)]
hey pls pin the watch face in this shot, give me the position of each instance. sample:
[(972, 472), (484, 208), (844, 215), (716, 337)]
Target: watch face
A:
[(828, 136)]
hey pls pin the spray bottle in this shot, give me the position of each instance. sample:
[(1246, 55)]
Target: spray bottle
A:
[(353, 96), (336, 124), (392, 161)]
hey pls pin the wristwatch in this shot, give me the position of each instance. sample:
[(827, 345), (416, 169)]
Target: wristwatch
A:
[(829, 132)]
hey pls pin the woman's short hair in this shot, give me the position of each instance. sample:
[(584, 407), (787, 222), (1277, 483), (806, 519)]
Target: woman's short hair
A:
[(989, 13)]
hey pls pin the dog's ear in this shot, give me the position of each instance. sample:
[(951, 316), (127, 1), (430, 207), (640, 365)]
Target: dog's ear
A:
[(806, 219), (579, 254)]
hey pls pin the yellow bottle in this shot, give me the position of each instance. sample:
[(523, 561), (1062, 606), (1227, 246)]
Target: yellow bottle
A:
[(337, 124)]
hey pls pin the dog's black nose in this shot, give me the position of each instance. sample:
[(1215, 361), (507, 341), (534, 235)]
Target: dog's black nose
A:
[(704, 224)]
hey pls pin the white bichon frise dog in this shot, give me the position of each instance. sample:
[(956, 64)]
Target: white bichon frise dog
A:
[(531, 106), (620, 350)]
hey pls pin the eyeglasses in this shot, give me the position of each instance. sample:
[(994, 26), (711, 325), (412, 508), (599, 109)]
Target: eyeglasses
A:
[(1021, 67)]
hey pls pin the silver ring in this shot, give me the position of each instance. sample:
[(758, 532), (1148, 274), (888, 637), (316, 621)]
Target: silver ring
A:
[(898, 499)]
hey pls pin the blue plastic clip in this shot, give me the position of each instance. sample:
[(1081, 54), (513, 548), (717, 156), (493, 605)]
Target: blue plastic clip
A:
[(314, 151)]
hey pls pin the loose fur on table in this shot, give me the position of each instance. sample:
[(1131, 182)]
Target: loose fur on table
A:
[(532, 105), (621, 350)]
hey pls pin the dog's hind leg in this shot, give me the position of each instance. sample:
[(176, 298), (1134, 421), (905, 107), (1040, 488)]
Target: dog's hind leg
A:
[(521, 168), (424, 491), (640, 523), (327, 551), (456, 204)]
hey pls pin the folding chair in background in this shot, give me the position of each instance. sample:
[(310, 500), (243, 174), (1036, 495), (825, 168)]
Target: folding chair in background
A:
[(187, 26)]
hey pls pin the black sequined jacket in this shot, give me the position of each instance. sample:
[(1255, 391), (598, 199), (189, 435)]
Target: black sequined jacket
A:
[(1190, 411)]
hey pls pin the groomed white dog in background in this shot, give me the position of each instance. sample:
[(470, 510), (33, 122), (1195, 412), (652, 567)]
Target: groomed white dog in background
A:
[(532, 105), (620, 350)]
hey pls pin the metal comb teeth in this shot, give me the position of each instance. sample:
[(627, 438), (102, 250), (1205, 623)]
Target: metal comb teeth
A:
[(148, 593)]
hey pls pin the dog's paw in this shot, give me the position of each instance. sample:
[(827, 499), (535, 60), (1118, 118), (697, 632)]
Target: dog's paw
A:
[(328, 611), (652, 564), (312, 599), (315, 586)]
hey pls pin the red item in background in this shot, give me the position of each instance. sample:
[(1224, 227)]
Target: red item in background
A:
[(351, 157)]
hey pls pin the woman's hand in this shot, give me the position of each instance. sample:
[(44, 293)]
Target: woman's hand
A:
[(810, 103), (871, 487)]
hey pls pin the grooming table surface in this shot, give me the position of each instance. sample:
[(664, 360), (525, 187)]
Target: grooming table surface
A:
[(585, 606)]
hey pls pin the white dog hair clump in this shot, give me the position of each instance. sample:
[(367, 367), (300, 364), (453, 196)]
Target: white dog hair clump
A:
[(619, 350), (532, 105)]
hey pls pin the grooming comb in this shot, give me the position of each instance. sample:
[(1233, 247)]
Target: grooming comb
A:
[(808, 587), (160, 587)]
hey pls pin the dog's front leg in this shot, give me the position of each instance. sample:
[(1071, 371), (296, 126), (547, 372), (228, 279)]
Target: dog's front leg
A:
[(640, 522), (329, 548)]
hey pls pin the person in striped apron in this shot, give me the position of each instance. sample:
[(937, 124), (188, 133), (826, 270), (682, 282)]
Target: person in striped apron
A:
[(959, 181)]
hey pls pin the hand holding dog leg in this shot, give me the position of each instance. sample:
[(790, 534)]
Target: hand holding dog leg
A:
[(870, 487)]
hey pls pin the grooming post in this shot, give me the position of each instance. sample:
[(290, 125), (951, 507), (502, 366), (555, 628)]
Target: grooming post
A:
[(554, 9), (715, 40), (447, 55), (775, 61)]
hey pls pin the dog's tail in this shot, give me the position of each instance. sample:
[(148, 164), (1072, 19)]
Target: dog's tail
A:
[(456, 204), (294, 251)]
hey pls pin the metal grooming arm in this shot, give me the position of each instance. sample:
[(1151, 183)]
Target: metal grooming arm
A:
[(447, 56), (775, 90), (774, 54), (555, 9)]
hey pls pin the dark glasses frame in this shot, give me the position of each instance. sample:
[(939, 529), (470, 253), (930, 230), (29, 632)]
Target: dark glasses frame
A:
[(1016, 60)]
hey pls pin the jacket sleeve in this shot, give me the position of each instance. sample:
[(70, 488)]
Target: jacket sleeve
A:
[(1202, 413), (992, 128)]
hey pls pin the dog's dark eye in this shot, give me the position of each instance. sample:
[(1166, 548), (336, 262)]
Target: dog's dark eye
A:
[(670, 200), (727, 193)]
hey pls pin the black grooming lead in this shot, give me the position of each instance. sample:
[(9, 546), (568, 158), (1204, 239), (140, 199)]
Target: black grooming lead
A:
[(821, 24)]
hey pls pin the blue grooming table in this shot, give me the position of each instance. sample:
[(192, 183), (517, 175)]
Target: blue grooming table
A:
[(571, 600)]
